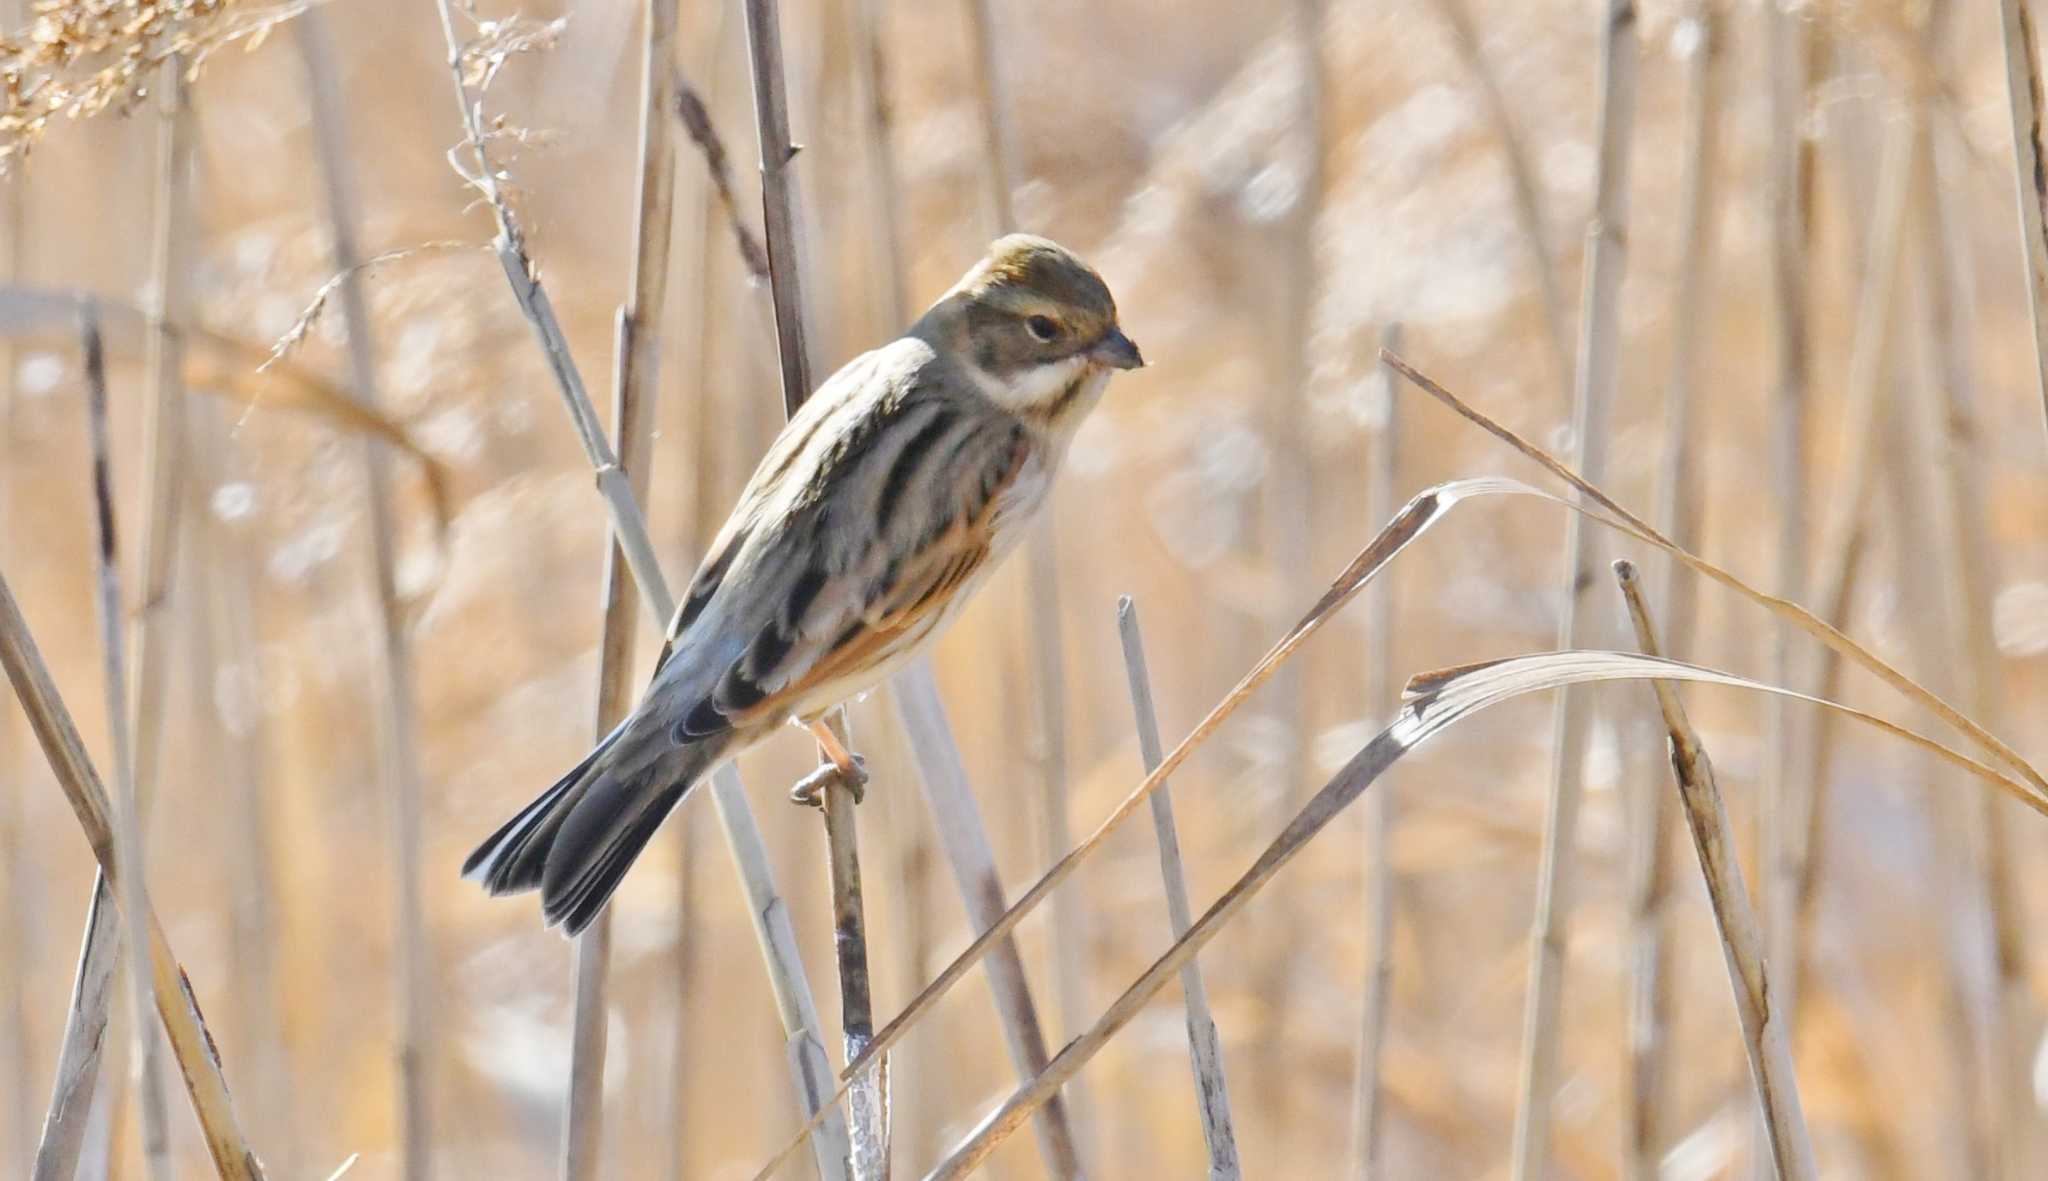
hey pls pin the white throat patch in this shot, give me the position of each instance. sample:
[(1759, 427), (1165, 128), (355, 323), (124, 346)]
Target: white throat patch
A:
[(1030, 388)]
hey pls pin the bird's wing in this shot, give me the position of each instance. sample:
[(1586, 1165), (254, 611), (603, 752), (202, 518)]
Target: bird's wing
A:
[(854, 558)]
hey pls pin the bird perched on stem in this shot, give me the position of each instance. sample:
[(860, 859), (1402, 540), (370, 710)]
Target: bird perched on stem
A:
[(877, 511)]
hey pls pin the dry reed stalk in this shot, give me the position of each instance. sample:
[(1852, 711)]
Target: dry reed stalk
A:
[(964, 837), (398, 718), (1651, 872), (177, 1009), (867, 1104), (152, 1118), (1844, 542), (769, 913), (1592, 402), (2030, 170), (1205, 1047), (1765, 1022), (1383, 468), (1785, 739), (1438, 700), (61, 1144), (1948, 426), (635, 386), (1529, 206)]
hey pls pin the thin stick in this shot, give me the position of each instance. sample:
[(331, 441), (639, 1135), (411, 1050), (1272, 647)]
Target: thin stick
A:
[(177, 1009), (1592, 398), (156, 1151), (1530, 212), (1948, 427), (398, 714), (964, 836), (634, 389), (867, 1105), (1380, 881), (1205, 1048), (1764, 1020), (1786, 734), (2030, 171), (743, 835), (1651, 869)]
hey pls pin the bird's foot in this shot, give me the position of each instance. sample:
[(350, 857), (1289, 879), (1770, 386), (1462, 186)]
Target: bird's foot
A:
[(810, 790)]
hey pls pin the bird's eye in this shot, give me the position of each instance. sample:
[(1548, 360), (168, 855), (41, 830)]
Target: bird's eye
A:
[(1044, 328)]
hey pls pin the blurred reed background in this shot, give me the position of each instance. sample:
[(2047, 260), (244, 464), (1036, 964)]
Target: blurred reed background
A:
[(1801, 345)]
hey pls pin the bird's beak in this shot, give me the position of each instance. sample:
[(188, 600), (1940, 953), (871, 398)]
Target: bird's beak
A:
[(1117, 351)]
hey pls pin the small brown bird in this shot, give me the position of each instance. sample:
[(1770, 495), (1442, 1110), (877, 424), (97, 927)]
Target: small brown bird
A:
[(877, 511)]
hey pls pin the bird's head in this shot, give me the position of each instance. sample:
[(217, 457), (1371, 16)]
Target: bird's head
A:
[(1033, 326)]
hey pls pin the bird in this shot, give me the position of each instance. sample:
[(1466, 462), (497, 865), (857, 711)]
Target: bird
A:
[(883, 504)]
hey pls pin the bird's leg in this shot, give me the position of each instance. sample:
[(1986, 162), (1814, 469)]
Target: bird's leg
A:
[(841, 764)]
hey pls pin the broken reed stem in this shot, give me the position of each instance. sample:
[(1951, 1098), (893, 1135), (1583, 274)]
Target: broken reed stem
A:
[(1949, 426), (398, 714), (635, 386), (1764, 1020), (1382, 471), (1205, 1047), (964, 836), (1785, 735), (867, 1105), (1592, 398), (1651, 872), (1530, 211), (629, 529), (177, 1009), (2030, 171), (152, 1116)]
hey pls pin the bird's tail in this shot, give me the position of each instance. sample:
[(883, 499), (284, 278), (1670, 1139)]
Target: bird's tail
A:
[(577, 839)]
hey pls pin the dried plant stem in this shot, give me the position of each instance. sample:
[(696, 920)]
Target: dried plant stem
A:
[(1592, 398), (398, 748), (15, 889), (1843, 544), (629, 529), (1529, 204), (1779, 807), (1205, 1047), (1366, 1088), (176, 1008), (1764, 1020), (998, 134), (886, 197), (1651, 872), (2030, 170), (1947, 427), (964, 837), (153, 1119), (867, 1104), (634, 389)]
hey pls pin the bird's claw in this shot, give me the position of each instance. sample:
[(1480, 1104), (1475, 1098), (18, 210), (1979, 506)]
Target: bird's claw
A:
[(810, 790)]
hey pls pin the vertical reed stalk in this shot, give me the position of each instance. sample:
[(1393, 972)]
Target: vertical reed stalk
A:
[(636, 384), (1652, 874), (398, 719), (1948, 428), (867, 1103), (1593, 396), (1781, 838), (1380, 688), (1205, 1047), (1764, 1021), (15, 889), (152, 1117), (2030, 171), (1530, 212)]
